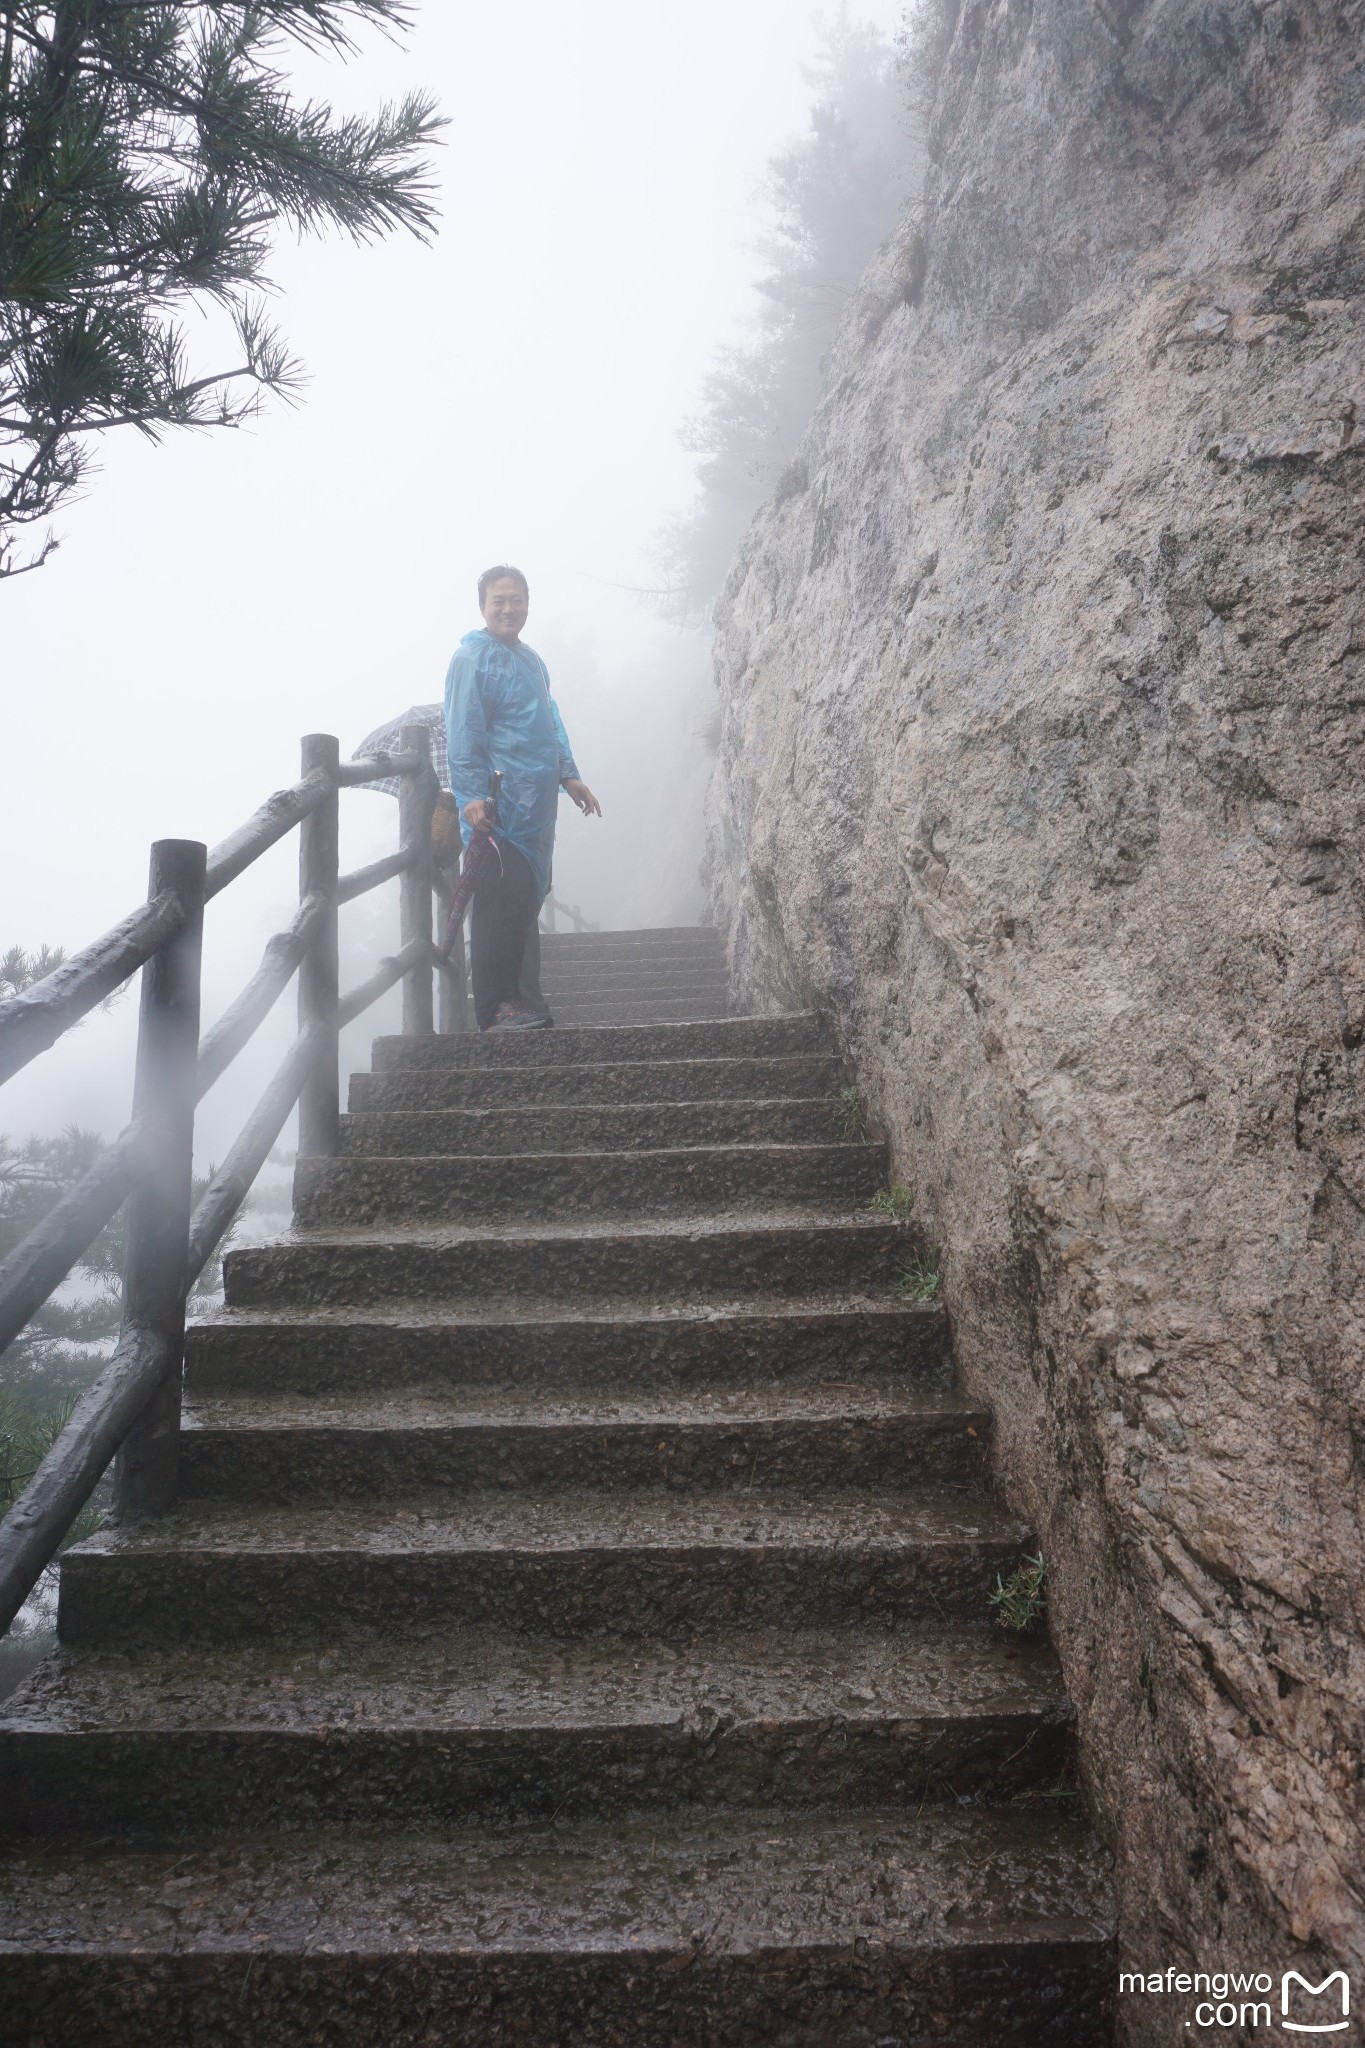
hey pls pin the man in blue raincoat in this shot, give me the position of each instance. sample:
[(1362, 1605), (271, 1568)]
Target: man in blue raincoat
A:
[(501, 718)]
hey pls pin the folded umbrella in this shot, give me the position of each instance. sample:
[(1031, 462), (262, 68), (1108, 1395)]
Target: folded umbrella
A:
[(481, 854)]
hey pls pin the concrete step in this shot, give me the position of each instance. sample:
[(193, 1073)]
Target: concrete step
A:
[(607, 1044), (698, 938), (695, 1260), (371, 1447), (615, 974), (599, 1083), (631, 1564), (610, 977), (575, 1013), (969, 1927), (319, 1352), (606, 1127), (585, 996), (607, 977), (477, 1729), (686, 957), (527, 1187)]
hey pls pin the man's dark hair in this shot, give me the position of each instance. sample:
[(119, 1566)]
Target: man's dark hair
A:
[(492, 575)]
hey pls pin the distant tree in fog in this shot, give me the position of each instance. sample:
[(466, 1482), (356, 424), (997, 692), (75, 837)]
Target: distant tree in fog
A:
[(148, 148), (34, 1175), (835, 195)]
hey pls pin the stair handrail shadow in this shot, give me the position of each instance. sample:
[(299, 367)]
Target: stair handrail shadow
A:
[(132, 1411)]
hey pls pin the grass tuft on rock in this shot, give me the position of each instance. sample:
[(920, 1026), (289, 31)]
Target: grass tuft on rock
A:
[(918, 1277), (853, 1116), (1020, 1601)]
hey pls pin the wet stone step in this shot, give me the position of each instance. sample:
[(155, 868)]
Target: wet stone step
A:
[(749, 1441), (696, 1180), (629, 1564), (588, 995), (608, 1127), (654, 970), (725, 1038), (475, 1729), (693, 1260), (637, 963), (682, 977), (601, 1084), (694, 938), (836, 1347), (981, 1926), (575, 1013)]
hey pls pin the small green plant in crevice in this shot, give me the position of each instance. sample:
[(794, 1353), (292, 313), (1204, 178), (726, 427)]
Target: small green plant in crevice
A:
[(1021, 1599), (853, 1116), (918, 1278), (897, 1201)]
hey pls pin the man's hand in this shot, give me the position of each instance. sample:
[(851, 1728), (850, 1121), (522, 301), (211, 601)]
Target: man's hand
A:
[(583, 797), (480, 814)]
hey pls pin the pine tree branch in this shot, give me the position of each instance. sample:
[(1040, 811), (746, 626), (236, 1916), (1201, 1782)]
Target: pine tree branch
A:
[(146, 151)]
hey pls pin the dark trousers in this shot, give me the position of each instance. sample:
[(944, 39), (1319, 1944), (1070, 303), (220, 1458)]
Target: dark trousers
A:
[(528, 988), (501, 920)]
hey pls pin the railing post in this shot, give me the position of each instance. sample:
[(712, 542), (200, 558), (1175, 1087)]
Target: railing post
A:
[(164, 1091), (416, 802), (319, 1103), (452, 985)]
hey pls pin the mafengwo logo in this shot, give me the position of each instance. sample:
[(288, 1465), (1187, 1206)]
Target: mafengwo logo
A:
[(1246, 2000), (1296, 1993)]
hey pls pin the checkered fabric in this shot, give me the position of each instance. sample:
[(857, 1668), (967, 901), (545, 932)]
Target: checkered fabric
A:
[(384, 740)]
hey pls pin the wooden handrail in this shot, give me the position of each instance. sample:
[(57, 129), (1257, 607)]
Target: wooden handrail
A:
[(158, 1223), (234, 1029), (133, 1409), (319, 1101), (409, 961), (44, 1258), (34, 1020), (33, 1530), (552, 908), (365, 879), (233, 1181), (384, 767), (416, 801), (279, 814)]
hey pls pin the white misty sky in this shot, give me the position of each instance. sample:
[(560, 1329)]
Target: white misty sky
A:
[(511, 392)]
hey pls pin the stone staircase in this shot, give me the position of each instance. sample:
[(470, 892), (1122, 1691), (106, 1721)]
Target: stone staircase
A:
[(574, 1625), (651, 977)]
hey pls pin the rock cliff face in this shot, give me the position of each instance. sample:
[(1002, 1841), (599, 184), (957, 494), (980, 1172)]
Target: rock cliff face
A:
[(1043, 683)]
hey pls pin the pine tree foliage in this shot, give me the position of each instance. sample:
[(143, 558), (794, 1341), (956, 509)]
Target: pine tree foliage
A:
[(835, 195), (148, 149), (19, 970)]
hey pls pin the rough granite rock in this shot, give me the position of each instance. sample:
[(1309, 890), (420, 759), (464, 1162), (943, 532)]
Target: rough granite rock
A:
[(1043, 680)]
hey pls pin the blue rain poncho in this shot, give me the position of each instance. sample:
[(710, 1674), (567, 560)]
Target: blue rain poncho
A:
[(500, 715)]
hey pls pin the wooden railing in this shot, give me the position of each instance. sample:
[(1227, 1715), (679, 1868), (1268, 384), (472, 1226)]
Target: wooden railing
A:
[(132, 1412), (551, 910)]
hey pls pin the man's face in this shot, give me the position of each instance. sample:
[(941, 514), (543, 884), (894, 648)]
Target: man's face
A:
[(505, 605)]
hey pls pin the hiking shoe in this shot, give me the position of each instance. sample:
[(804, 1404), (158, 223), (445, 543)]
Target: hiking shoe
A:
[(511, 1017)]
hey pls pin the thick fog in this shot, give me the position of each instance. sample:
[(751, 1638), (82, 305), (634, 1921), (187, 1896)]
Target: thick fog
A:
[(512, 392)]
